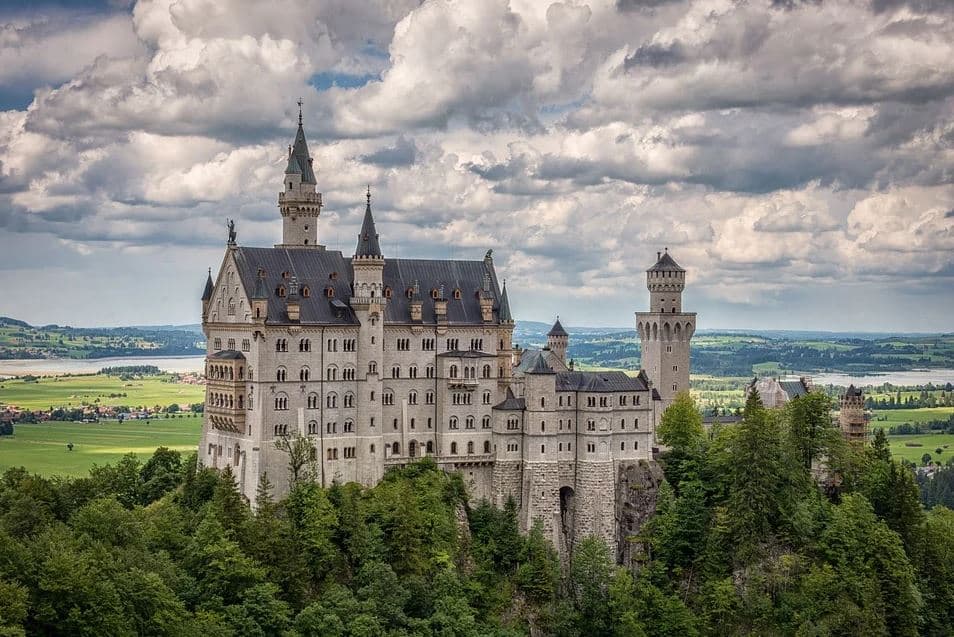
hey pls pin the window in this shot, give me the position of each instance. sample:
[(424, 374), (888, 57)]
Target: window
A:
[(543, 402), (470, 447), (543, 425), (387, 292), (349, 452), (412, 423), (349, 400), (331, 427), (675, 368), (387, 398), (513, 423), (457, 293), (280, 374), (312, 401), (486, 446), (485, 422), (543, 449), (281, 402), (331, 400), (427, 344), (452, 344), (430, 446), (332, 454), (231, 307), (404, 344), (412, 371), (395, 449), (231, 344), (217, 343), (305, 290), (429, 398), (452, 424), (412, 398), (590, 447), (675, 387), (281, 345), (469, 422), (312, 427), (304, 374), (396, 371), (348, 427), (429, 423), (622, 423), (591, 425), (304, 345), (348, 344), (622, 446), (429, 371), (454, 448), (512, 446), (486, 397), (280, 291), (372, 368), (280, 430), (348, 373), (331, 373), (246, 345)]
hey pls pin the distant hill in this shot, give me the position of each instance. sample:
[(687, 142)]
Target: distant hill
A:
[(19, 339)]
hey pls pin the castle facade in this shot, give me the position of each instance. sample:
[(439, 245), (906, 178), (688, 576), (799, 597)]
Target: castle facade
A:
[(378, 362)]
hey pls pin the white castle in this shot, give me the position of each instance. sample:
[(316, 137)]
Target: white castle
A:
[(379, 362)]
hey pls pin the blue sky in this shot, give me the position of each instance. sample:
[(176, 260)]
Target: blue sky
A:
[(805, 183)]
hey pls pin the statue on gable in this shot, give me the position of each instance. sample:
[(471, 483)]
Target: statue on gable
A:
[(231, 225)]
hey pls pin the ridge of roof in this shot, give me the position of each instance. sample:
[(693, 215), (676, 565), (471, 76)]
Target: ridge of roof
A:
[(557, 329), (665, 263)]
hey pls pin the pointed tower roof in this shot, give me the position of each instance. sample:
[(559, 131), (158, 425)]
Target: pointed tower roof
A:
[(505, 305), (299, 161), (368, 239), (557, 329), (540, 366), (207, 293), (665, 263), (261, 292)]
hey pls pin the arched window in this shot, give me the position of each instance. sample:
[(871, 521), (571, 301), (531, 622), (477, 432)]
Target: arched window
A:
[(453, 371), (312, 401), (304, 374), (470, 447), (454, 448), (469, 422), (412, 449), (430, 446), (349, 400), (452, 424), (280, 374), (349, 426), (331, 373), (395, 449), (486, 371), (485, 422), (331, 400), (312, 426), (486, 446)]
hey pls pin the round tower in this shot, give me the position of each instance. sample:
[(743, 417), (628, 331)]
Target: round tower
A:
[(558, 340), (299, 201), (665, 331), (852, 417)]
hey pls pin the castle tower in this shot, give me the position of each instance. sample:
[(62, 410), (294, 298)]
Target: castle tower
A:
[(665, 330), (368, 302), (299, 202), (852, 417), (557, 340), (505, 347)]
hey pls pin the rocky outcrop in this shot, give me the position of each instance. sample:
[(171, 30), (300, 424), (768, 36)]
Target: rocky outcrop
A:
[(637, 486)]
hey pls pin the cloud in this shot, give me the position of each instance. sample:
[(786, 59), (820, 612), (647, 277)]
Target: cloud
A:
[(574, 138)]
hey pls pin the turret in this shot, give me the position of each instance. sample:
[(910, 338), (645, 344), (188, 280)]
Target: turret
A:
[(666, 280), (557, 340), (852, 417), (207, 295), (417, 304), (293, 301), (299, 201)]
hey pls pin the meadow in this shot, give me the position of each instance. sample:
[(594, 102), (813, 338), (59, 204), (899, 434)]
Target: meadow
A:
[(98, 389), (881, 418), (42, 447), (922, 444)]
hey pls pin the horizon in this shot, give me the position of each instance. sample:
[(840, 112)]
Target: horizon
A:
[(800, 190)]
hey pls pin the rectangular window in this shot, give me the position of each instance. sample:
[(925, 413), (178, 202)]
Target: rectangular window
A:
[(246, 345), (590, 447), (217, 343)]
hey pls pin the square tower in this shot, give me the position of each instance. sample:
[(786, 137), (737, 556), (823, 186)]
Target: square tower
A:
[(665, 331)]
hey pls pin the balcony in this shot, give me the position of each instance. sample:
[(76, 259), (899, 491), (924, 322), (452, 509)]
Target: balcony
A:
[(462, 383)]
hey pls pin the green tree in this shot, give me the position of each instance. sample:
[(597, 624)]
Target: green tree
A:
[(810, 426), (680, 427), (538, 572)]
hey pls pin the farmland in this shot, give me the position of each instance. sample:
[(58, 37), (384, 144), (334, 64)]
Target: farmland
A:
[(42, 447), (913, 447), (98, 390)]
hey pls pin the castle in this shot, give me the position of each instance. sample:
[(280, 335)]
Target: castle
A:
[(378, 361)]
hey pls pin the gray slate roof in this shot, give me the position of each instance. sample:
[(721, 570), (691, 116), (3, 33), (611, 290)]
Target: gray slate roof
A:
[(557, 329), (793, 388), (599, 382), (666, 263), (368, 245), (511, 402), (505, 314), (314, 267), (529, 359), (207, 293), (300, 161), (228, 354), (853, 391), (540, 366), (457, 353)]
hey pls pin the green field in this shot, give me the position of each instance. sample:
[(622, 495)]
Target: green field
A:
[(41, 448), (928, 442), (891, 417), (98, 389)]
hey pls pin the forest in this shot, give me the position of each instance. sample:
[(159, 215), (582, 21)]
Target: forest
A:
[(748, 538)]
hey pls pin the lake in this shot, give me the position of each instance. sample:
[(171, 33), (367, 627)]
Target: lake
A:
[(58, 366), (912, 377)]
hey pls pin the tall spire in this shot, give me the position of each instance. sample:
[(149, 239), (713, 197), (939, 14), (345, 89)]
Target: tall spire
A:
[(505, 315), (207, 293), (368, 238), (299, 160)]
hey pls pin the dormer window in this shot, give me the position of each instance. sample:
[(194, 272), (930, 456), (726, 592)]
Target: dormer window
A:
[(435, 294), (457, 294), (280, 291), (387, 292), (285, 274), (409, 292), (305, 291), (330, 292), (333, 276)]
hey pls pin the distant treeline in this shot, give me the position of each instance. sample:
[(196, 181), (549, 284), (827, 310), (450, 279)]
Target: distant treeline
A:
[(141, 370)]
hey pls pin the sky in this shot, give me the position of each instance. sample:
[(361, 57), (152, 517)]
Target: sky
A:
[(796, 157)]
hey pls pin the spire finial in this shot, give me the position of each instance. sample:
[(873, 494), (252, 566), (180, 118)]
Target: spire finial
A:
[(299, 111), (369, 194)]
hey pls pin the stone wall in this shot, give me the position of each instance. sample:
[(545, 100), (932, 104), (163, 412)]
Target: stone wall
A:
[(637, 486)]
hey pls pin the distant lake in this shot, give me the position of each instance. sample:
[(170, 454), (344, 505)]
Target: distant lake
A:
[(54, 366), (912, 377)]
